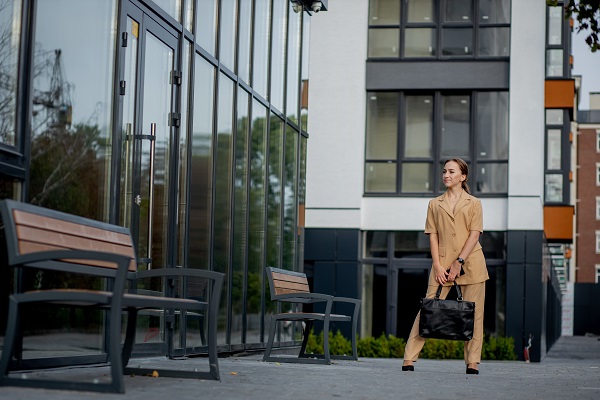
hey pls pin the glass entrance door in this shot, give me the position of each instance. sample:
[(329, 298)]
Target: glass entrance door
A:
[(147, 88)]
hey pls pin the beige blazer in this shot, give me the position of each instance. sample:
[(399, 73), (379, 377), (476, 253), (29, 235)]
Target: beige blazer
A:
[(453, 230)]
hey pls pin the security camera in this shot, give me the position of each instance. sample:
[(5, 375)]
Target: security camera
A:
[(316, 6)]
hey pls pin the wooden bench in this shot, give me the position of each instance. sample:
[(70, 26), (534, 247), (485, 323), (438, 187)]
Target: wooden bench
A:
[(292, 287), (45, 239)]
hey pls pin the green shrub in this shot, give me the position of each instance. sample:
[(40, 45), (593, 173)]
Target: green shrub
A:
[(494, 348)]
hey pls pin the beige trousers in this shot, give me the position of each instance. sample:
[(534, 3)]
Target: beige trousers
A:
[(475, 293)]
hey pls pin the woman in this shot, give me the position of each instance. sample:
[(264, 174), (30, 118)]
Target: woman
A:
[(454, 223)]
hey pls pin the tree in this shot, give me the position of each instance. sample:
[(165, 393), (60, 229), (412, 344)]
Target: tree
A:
[(587, 15)]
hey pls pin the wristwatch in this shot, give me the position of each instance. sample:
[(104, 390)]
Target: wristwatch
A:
[(461, 260)]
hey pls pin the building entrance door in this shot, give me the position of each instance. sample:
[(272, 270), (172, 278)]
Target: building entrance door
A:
[(148, 88), (407, 284)]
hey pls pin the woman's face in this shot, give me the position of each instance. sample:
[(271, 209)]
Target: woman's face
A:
[(451, 175)]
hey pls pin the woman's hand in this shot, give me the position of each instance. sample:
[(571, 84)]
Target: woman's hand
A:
[(453, 271), (441, 275)]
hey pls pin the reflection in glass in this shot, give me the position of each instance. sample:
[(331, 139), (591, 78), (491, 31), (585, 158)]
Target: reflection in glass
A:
[(222, 206), (262, 24), (172, 7), (384, 12), (494, 42), (421, 11), (492, 178), (554, 150), (555, 21), (458, 11), (256, 228), (554, 116), (384, 42), (278, 42), (494, 11), (290, 199), (419, 42), (554, 62), (240, 235), (416, 178), (380, 177), (189, 15), (554, 188), (227, 33), (419, 126), (376, 244), (492, 125), (411, 244), (206, 24), (72, 104), (457, 42), (493, 244), (293, 65), (10, 29), (245, 36), (382, 126), (304, 74), (456, 126), (201, 165)]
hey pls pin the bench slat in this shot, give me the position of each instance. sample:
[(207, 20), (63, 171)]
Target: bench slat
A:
[(290, 278)]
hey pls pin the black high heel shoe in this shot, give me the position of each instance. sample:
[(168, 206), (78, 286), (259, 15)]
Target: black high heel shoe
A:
[(472, 371), (408, 368)]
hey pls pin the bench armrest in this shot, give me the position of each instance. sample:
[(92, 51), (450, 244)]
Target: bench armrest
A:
[(356, 302), (304, 297)]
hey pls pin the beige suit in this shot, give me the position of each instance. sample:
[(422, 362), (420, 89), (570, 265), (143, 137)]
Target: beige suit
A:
[(453, 229)]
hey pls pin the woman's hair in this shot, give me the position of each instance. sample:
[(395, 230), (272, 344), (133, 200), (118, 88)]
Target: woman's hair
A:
[(464, 169)]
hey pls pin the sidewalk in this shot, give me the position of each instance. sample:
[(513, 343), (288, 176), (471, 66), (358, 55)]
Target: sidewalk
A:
[(570, 370)]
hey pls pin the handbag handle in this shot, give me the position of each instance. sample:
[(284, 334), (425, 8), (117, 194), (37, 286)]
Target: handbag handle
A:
[(458, 291)]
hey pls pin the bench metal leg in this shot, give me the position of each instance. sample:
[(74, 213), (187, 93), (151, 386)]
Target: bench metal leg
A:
[(271, 338), (307, 328)]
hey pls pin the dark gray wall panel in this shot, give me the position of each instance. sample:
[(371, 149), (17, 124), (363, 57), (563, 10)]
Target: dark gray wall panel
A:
[(440, 75), (320, 244), (347, 244), (586, 309), (515, 299)]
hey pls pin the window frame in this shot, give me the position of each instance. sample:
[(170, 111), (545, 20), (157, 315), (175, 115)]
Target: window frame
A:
[(597, 242), (597, 275)]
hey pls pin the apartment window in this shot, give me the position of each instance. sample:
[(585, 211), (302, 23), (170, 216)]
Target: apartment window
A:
[(439, 29), (598, 207), (555, 56), (598, 141), (554, 188), (598, 242), (410, 135), (597, 174), (597, 273)]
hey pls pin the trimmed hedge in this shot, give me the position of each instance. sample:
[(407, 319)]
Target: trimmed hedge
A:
[(389, 346)]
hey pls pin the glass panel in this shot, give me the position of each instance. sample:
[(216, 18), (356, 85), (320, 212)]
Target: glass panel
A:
[(382, 126), (493, 244), (384, 12), (494, 42), (262, 23), (457, 42), (245, 40), (201, 165), (555, 21), (492, 125), (419, 42), (492, 178), (72, 107), (293, 65), (240, 231), (227, 33), (554, 188), (421, 11), (189, 15), (290, 228), (494, 11), (278, 53), (380, 177), (172, 7), (10, 31), (456, 126), (155, 162), (384, 42), (256, 209), (458, 11), (554, 117), (376, 244), (417, 178), (553, 156), (411, 244), (419, 126), (206, 24), (554, 62), (304, 74)]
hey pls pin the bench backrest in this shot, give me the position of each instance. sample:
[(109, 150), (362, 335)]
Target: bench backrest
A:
[(283, 282), (30, 229)]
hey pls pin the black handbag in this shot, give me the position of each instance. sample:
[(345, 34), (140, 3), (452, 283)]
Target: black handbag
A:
[(447, 319)]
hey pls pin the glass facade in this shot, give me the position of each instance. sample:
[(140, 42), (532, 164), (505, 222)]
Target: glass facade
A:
[(191, 132)]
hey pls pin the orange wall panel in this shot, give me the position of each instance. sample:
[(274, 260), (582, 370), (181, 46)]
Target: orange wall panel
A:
[(560, 93), (558, 222)]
